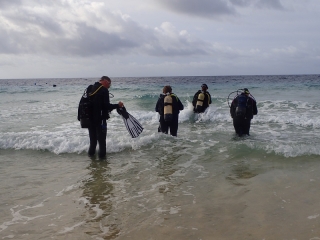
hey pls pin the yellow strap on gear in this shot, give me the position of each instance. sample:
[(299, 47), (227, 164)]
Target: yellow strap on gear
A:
[(174, 96), (91, 94)]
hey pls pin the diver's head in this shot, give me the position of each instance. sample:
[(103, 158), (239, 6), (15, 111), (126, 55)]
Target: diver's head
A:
[(167, 89), (204, 87), (105, 81), (246, 91)]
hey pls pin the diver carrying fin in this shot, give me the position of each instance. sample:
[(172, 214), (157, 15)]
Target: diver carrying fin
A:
[(98, 105)]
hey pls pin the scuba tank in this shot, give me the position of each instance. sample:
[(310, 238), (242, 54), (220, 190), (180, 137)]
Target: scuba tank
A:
[(85, 108), (199, 103), (167, 110), (241, 108)]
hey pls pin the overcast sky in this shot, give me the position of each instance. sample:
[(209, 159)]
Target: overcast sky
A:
[(130, 38)]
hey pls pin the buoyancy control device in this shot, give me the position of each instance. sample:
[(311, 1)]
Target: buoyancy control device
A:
[(84, 109), (167, 110), (241, 108), (199, 103), (85, 106)]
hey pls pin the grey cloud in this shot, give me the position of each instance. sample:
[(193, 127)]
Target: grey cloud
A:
[(8, 3), (272, 4), (201, 8), (242, 3), (169, 42), (94, 42), (17, 3), (215, 8), (184, 49), (89, 42), (39, 33)]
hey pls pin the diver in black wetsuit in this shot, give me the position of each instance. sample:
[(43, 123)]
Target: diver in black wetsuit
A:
[(242, 110), (201, 99), (168, 106), (101, 107)]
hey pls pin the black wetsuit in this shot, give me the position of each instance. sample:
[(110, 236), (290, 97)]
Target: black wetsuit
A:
[(101, 107), (206, 102), (242, 122), (176, 107)]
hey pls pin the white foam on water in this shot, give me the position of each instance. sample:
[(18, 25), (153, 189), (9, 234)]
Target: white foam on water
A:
[(72, 139), (19, 218), (98, 210), (9, 236), (313, 216), (174, 210), (50, 125), (67, 189), (70, 229)]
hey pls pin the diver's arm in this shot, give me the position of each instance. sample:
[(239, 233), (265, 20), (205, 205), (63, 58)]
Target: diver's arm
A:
[(210, 101), (254, 107), (233, 108), (158, 105), (180, 105)]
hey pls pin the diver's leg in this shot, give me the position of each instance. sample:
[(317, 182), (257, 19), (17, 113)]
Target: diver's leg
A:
[(164, 126), (236, 125), (102, 135), (93, 141), (174, 125), (247, 124)]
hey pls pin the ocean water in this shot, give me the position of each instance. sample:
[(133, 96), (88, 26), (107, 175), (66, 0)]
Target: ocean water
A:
[(207, 183)]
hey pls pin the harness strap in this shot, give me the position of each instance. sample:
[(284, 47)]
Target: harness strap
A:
[(174, 96), (91, 94)]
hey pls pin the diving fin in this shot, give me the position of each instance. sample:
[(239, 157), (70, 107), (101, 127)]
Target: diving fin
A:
[(123, 112), (133, 126)]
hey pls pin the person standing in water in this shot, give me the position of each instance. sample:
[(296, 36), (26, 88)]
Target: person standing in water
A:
[(201, 99), (101, 107), (242, 110), (168, 106)]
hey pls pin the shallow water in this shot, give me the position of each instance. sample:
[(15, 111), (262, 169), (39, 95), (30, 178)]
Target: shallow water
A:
[(171, 196), (205, 184)]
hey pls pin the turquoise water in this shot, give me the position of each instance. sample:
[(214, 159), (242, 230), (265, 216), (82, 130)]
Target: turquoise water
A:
[(205, 184)]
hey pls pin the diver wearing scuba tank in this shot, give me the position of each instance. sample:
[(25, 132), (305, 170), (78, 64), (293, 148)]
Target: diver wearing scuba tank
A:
[(101, 107), (242, 110), (168, 106), (201, 99)]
